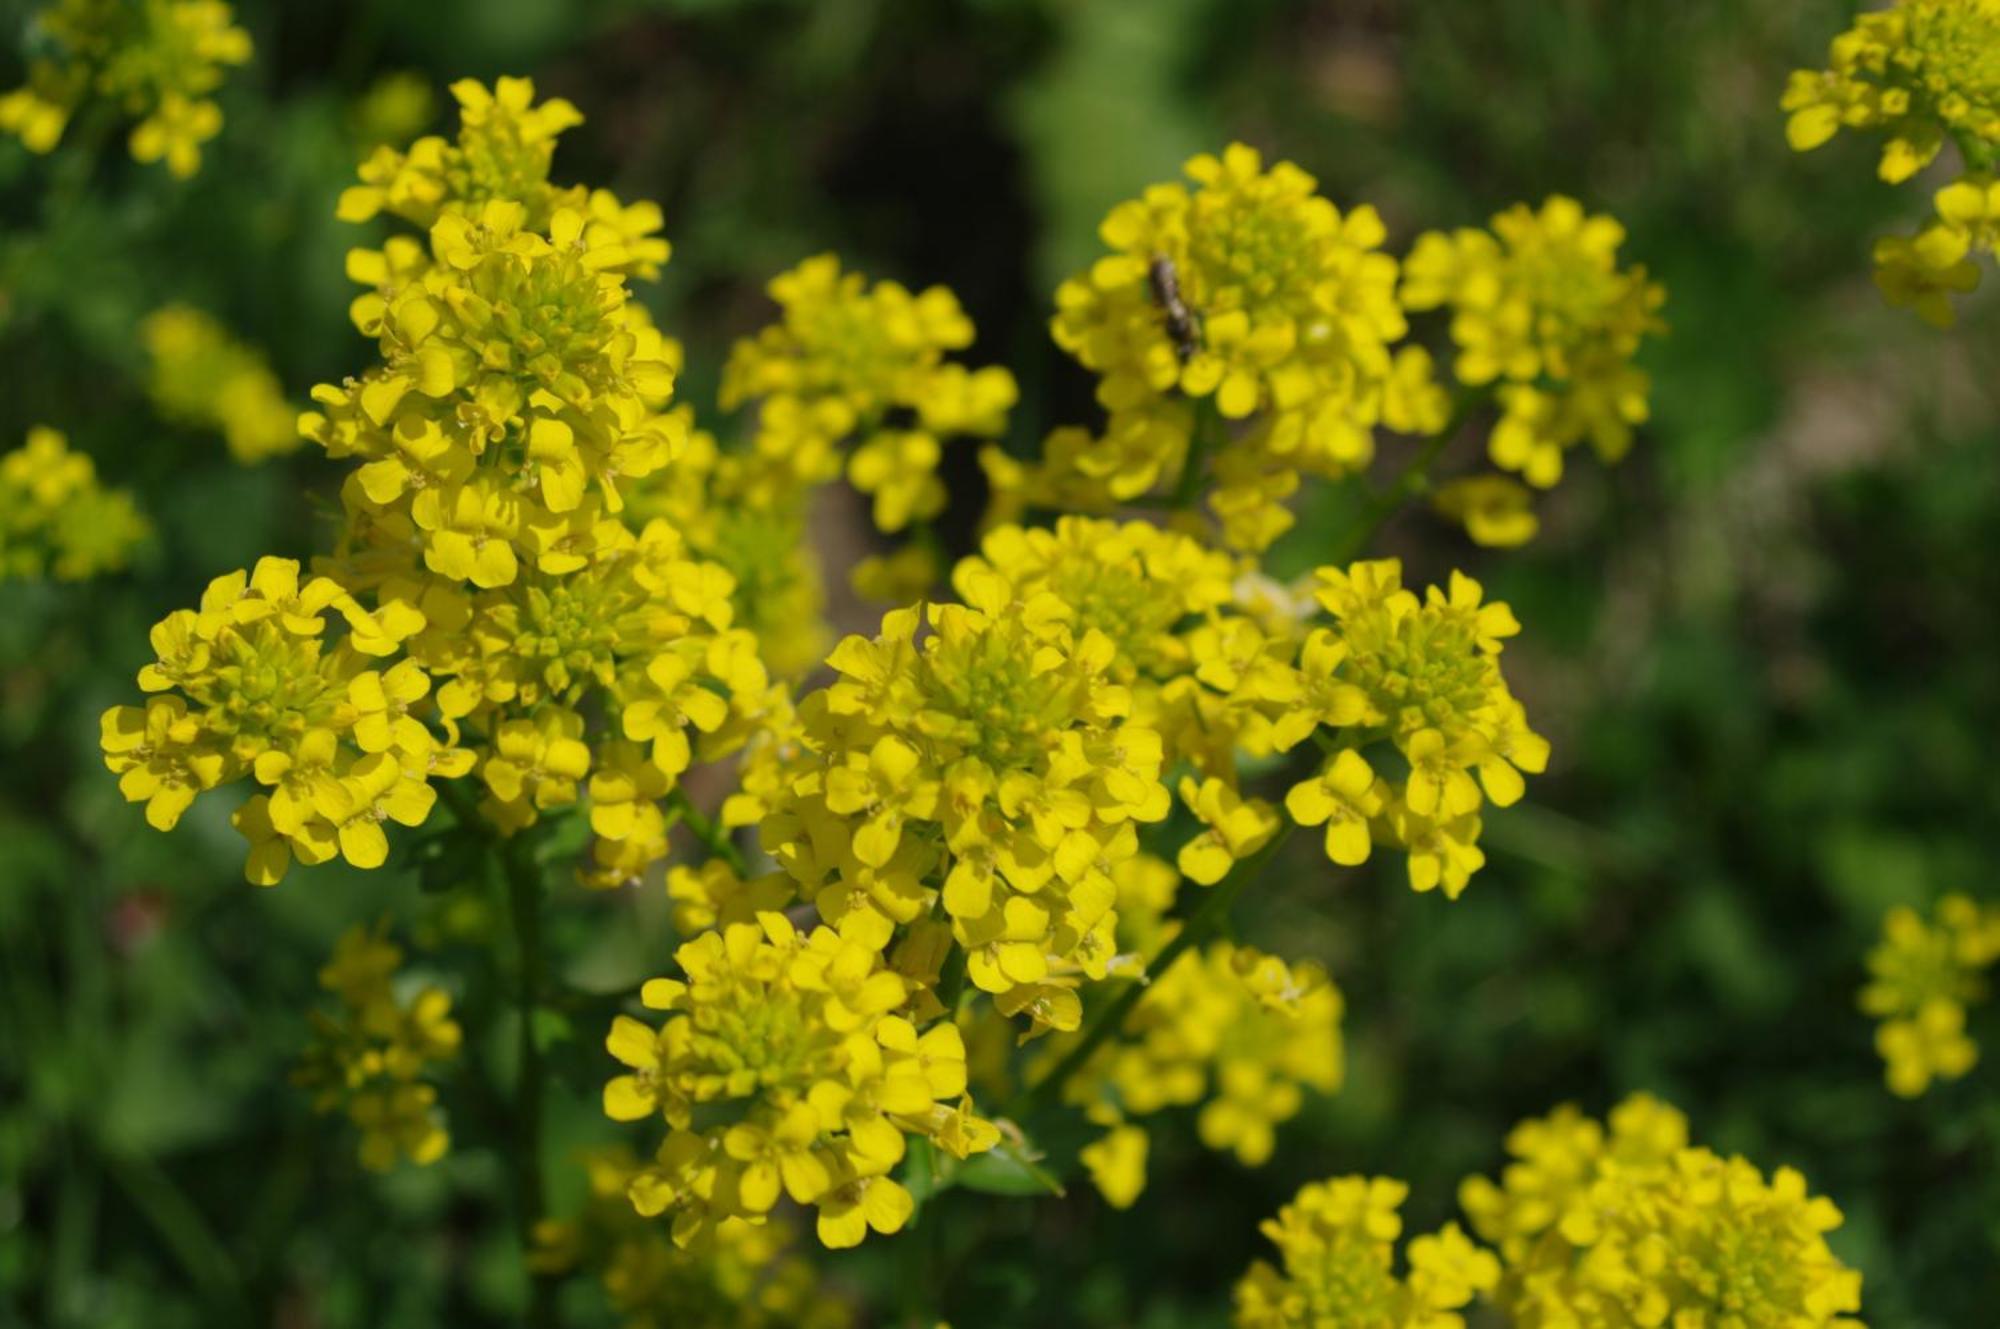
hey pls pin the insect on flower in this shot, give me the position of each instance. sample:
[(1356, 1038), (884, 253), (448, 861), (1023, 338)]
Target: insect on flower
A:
[(1183, 324)]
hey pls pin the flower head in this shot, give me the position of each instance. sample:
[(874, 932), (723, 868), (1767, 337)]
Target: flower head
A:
[(1631, 1226), (1540, 306), (57, 520), (1337, 1245), (1922, 976), (796, 1042), (157, 60)]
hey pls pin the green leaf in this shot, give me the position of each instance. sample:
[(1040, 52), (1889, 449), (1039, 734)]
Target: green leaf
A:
[(1008, 1169)]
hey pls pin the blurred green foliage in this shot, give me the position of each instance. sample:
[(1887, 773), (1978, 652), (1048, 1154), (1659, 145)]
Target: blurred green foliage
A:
[(1765, 647)]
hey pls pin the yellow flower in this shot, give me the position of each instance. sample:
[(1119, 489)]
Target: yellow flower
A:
[(747, 515), (1540, 306), (1424, 675), (1631, 1226), (57, 520), (1251, 291), (157, 60), (503, 151), (393, 109), (1237, 1031), (734, 1275), (797, 1039), (202, 376), (845, 355), (1495, 510), (1916, 71), (1909, 279), (1923, 975), (997, 758), (375, 1059), (1337, 1245), (1237, 828), (174, 133), (1347, 796), (1117, 1164), (254, 685)]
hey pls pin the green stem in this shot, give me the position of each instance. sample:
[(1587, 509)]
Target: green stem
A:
[(524, 896), (1977, 156), (1203, 923), (463, 809), (180, 1226), (715, 838), (1412, 480), (1194, 466)]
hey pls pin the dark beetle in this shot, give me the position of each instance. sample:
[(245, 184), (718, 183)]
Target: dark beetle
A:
[(1183, 324)]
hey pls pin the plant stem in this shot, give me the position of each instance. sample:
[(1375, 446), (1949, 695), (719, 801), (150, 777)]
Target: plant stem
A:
[(1204, 922), (1193, 466), (714, 837), (1413, 479), (524, 897)]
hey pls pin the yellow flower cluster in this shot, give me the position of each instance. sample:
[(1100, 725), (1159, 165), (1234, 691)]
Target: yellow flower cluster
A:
[(521, 392), (1424, 677), (202, 376), (789, 1064), (371, 1060), (1247, 332), (252, 684), (747, 514), (1217, 665), (56, 520), (735, 1275), (997, 757), (1235, 1030), (1922, 977), (1541, 309), (1252, 292), (156, 59), (503, 152), (1337, 1243), (862, 366), (1605, 1228), (1918, 72)]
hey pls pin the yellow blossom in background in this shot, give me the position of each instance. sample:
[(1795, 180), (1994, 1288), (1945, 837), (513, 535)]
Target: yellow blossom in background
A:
[(1920, 73), (340, 737), (56, 520), (393, 109), (1542, 311), (1923, 272), (203, 377), (1917, 71), (1232, 1030), (376, 1059), (156, 60), (785, 1067), (735, 1275), (748, 515), (1922, 977), (1496, 511), (847, 356), (1337, 1243), (1602, 1228)]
